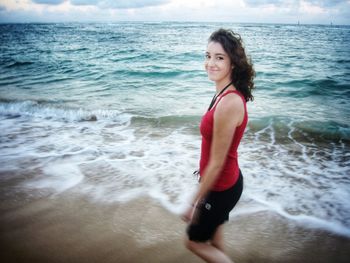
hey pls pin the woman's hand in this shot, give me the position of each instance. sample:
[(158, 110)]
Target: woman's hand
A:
[(188, 214)]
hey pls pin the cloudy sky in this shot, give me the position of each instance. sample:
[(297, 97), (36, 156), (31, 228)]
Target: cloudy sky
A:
[(257, 11)]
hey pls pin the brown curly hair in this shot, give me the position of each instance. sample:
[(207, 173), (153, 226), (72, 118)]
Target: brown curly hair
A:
[(243, 73)]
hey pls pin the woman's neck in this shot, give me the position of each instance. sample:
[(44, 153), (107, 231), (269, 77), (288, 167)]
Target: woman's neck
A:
[(221, 85)]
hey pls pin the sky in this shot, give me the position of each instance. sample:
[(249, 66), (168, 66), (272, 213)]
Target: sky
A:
[(237, 11)]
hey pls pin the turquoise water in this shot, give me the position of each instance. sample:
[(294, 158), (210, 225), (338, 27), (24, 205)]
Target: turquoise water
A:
[(111, 111)]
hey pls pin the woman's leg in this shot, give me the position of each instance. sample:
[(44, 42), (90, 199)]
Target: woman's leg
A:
[(207, 252), (218, 238)]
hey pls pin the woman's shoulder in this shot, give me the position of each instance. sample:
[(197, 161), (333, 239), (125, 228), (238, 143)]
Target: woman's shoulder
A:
[(231, 102), (230, 110)]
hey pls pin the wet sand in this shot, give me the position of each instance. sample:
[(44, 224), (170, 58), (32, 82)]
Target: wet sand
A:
[(69, 228)]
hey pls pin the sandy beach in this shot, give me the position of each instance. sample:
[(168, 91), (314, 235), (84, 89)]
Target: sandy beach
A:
[(68, 228)]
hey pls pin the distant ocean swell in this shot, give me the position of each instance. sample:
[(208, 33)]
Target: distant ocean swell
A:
[(307, 87)]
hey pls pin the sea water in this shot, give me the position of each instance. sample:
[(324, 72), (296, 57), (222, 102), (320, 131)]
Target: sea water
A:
[(111, 112)]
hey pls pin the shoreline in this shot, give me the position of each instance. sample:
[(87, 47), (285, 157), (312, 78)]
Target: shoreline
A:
[(69, 228)]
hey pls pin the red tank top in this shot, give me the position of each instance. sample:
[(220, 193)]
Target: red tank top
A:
[(230, 171)]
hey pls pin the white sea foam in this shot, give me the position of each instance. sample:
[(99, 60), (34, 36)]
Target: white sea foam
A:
[(58, 177), (306, 220), (300, 181), (47, 111), (117, 161)]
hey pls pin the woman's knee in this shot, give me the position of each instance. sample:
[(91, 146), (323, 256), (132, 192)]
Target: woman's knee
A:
[(187, 243), (190, 245), (218, 239), (218, 244)]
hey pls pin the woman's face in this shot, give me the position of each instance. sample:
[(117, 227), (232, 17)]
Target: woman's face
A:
[(217, 63)]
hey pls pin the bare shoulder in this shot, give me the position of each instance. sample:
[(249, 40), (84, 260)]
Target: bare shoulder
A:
[(231, 103)]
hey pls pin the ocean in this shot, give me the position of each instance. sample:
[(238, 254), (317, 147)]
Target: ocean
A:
[(111, 112)]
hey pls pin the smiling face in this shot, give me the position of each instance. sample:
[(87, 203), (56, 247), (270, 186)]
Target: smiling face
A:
[(218, 64)]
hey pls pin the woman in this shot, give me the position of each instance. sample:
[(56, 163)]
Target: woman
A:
[(222, 127)]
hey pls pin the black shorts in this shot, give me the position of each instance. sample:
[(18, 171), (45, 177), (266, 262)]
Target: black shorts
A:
[(213, 211)]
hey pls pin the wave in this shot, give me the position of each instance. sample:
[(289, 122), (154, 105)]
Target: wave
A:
[(131, 55), (171, 121), (155, 73), (74, 49), (55, 111), (308, 88), (305, 220), (343, 61), (283, 128), (16, 64)]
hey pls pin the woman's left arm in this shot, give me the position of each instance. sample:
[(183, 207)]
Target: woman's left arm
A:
[(228, 115)]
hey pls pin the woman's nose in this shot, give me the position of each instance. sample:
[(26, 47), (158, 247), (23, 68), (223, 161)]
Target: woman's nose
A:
[(210, 62)]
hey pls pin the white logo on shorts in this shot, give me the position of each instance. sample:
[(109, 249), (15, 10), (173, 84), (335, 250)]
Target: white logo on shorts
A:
[(207, 206)]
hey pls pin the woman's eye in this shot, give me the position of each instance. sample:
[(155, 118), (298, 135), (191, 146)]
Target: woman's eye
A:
[(207, 56), (220, 58)]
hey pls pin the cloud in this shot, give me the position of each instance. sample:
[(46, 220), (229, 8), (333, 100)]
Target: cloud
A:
[(258, 11), (85, 2), (320, 3), (326, 3), (121, 4), (253, 3), (49, 2)]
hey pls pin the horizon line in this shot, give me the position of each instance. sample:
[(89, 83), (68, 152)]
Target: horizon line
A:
[(172, 21)]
